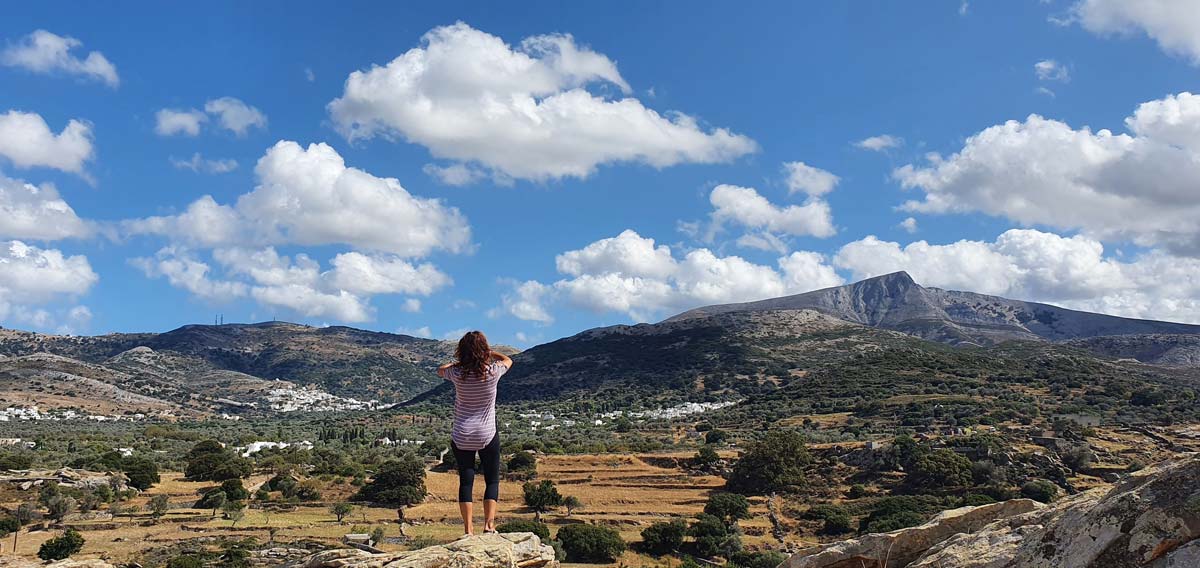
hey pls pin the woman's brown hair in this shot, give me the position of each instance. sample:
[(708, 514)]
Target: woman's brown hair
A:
[(473, 354)]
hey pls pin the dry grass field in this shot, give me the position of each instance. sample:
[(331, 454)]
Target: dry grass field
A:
[(626, 492)]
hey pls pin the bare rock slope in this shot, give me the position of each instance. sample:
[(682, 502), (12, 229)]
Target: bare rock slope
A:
[(1150, 518), (508, 550)]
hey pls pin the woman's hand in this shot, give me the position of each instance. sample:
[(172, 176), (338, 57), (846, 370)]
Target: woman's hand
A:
[(503, 359), (441, 371)]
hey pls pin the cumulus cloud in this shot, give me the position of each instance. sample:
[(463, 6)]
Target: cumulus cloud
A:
[(1051, 70), (1174, 24), (422, 331), (909, 224), (169, 122), (31, 277), (744, 206), (199, 164), (296, 283), (45, 52), (235, 116), (1139, 186), (1034, 265), (37, 213), (880, 143), (539, 110), (309, 197), (27, 141), (804, 178), (633, 275), (182, 270)]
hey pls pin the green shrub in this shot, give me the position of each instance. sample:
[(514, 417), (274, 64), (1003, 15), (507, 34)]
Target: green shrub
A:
[(1040, 490), (591, 543), (664, 537), (541, 496), (713, 537), (767, 559), (61, 547), (857, 491), (705, 456), (729, 507), (522, 525), (187, 561), (522, 461)]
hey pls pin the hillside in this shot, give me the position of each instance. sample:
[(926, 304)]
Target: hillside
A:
[(896, 302), (200, 368)]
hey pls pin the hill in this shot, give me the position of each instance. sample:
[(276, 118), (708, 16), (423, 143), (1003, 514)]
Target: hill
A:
[(201, 368), (896, 302)]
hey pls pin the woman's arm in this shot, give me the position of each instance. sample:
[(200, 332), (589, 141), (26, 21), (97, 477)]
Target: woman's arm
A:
[(503, 359), (442, 370)]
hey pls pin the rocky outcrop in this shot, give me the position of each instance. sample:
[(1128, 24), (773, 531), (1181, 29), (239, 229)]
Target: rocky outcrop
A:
[(901, 547), (509, 550), (18, 562), (1150, 518)]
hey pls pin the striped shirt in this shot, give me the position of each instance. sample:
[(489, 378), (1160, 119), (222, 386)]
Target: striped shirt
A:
[(474, 406)]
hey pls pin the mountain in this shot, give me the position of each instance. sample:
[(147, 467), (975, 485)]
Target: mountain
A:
[(201, 368), (896, 302)]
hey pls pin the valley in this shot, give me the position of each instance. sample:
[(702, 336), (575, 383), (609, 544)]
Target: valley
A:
[(868, 422)]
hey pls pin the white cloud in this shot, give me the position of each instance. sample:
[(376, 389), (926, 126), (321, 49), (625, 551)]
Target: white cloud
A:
[(802, 177), (1138, 186), (37, 213), (631, 274), (309, 75), (422, 331), (45, 52), (184, 271), (455, 174), (1034, 265), (199, 164), (169, 122), (1174, 24), (309, 197), (880, 143), (235, 115), (524, 112), (32, 276), (909, 224), (1045, 91), (1051, 70), (297, 283), (744, 206), (27, 141)]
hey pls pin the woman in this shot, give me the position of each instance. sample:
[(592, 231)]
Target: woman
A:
[(475, 374)]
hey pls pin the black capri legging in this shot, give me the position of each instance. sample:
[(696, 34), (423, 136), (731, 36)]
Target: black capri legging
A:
[(489, 459)]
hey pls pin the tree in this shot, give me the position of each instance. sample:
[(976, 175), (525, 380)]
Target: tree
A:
[(664, 537), (159, 505), (214, 500), (715, 436), (234, 511), (234, 490), (940, 468), (377, 535), (141, 471), (340, 510), (713, 537), (729, 507), (522, 461), (773, 464), (706, 456), (591, 543), (541, 496), (572, 503), (59, 506), (210, 461), (61, 547), (398, 482)]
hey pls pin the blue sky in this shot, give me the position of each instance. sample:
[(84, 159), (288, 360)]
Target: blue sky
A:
[(562, 166)]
